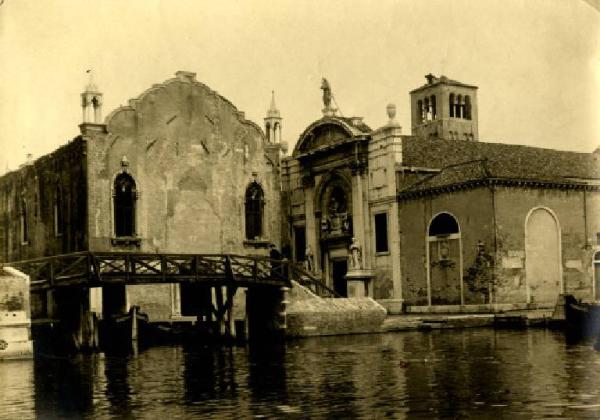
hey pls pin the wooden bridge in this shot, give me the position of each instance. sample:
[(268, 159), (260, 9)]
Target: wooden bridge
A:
[(95, 269), (217, 276)]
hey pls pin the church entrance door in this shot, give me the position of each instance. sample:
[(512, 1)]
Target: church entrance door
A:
[(339, 268), (542, 257), (444, 257)]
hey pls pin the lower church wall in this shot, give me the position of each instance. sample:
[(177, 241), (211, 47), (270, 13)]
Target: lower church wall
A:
[(472, 209), (513, 205)]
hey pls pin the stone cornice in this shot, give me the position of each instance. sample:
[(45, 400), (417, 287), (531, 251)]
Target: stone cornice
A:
[(518, 183)]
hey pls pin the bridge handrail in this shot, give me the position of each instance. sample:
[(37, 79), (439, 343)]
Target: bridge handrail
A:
[(314, 283), (91, 267)]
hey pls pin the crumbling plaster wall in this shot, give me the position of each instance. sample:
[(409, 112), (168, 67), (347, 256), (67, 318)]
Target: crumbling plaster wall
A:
[(512, 207), (192, 155)]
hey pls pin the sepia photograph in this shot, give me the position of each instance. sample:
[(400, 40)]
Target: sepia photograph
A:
[(299, 209)]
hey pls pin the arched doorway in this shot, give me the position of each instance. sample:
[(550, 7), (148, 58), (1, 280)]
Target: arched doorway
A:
[(444, 261), (335, 229), (542, 256), (596, 264)]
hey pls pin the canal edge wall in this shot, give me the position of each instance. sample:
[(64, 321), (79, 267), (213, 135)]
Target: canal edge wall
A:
[(309, 315), (15, 315)]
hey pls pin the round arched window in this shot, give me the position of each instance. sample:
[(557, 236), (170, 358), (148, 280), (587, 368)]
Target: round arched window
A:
[(443, 224)]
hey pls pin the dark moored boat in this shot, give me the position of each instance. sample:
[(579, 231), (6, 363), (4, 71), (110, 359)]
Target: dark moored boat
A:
[(582, 318), (121, 330)]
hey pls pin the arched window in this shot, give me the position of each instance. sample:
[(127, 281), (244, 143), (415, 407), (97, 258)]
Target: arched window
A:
[(58, 211), (451, 104), (458, 107), (254, 210), (268, 129), (277, 133), (442, 225), (420, 110), (467, 107), (427, 109), (24, 233), (433, 107), (124, 202), (444, 256)]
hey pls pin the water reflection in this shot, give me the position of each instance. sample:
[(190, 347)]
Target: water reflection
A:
[(474, 373)]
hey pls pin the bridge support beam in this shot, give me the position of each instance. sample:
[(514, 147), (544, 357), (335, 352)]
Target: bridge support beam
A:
[(222, 311), (78, 325), (266, 312)]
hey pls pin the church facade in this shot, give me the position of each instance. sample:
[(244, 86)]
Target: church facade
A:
[(177, 170), (442, 219), (434, 219)]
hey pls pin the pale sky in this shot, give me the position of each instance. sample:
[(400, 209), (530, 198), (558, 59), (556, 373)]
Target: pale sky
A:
[(536, 62)]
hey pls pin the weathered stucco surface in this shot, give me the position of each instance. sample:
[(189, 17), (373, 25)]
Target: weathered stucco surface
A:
[(192, 155)]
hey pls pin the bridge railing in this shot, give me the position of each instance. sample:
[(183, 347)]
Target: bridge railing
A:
[(98, 268), (312, 282)]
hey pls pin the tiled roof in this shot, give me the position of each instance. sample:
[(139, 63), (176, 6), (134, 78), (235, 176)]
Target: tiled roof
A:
[(462, 161)]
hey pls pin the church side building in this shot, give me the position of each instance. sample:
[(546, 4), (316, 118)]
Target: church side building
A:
[(442, 219)]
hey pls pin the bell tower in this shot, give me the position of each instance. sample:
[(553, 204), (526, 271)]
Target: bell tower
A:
[(91, 103), (273, 122), (444, 108)]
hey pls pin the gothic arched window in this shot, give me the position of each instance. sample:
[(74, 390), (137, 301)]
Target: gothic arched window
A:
[(254, 210), (124, 202)]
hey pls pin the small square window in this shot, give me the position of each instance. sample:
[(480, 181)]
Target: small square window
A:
[(381, 233)]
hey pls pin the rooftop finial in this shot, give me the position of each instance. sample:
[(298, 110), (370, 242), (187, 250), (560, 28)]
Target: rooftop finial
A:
[(91, 86), (273, 111), (391, 112)]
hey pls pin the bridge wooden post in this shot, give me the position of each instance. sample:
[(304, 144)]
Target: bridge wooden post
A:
[(229, 310)]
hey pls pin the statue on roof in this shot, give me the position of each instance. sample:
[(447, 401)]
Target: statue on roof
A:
[(326, 93)]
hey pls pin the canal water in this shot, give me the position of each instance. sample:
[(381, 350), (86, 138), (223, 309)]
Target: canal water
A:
[(471, 373)]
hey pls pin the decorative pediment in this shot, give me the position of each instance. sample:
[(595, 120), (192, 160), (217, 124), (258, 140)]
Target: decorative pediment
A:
[(328, 132), (325, 135)]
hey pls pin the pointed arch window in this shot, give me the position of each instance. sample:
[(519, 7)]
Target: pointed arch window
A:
[(254, 202), (125, 198)]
